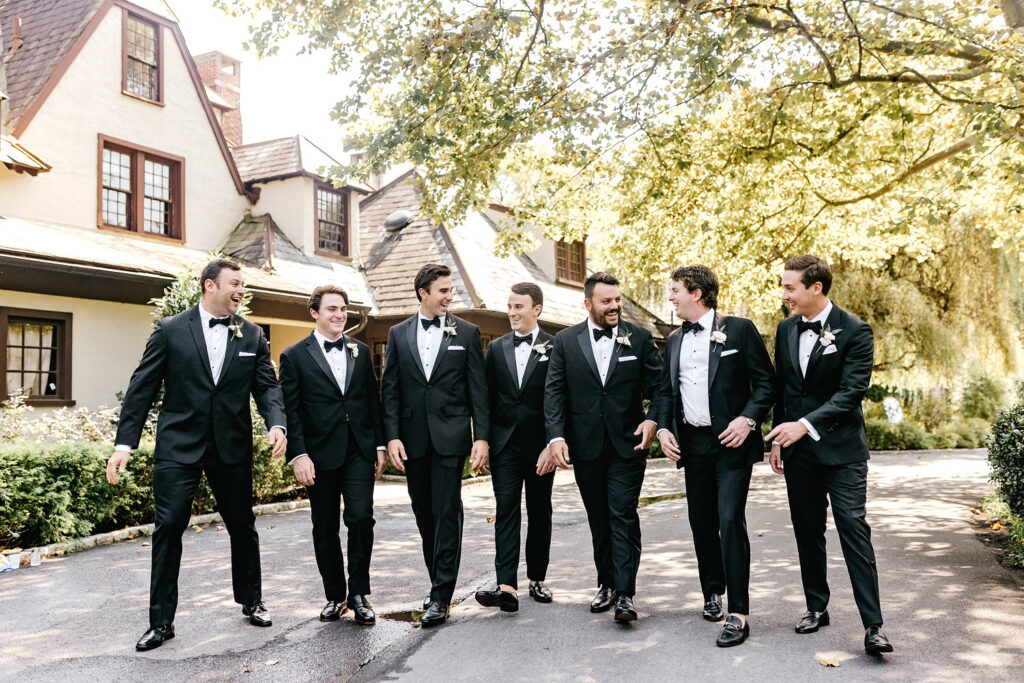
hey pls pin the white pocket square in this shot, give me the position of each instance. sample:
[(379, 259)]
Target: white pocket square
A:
[(729, 352), (625, 358), (456, 348), (245, 353), (828, 350), (543, 359)]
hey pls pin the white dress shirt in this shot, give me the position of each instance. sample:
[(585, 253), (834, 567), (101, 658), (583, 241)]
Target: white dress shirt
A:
[(216, 338), (807, 341), (428, 341), (694, 369), (337, 358), (523, 352), (602, 349)]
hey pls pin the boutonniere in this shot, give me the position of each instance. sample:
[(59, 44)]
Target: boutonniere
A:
[(354, 348), (828, 335), (623, 339), (449, 330), (235, 328), (542, 349), (718, 335)]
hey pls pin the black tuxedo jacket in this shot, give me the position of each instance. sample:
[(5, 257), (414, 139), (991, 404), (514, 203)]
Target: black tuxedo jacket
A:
[(741, 381), (319, 414), (439, 409), (830, 395), (582, 411), (195, 409), (513, 406)]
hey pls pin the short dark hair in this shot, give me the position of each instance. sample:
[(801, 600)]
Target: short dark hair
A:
[(702, 278), (318, 294), (531, 288), (814, 269), (212, 271), (602, 277), (427, 274)]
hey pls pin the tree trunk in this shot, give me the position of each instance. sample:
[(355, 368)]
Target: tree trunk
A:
[(1013, 12)]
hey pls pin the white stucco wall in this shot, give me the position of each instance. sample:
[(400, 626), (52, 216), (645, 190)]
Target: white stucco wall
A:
[(290, 202), (88, 102)]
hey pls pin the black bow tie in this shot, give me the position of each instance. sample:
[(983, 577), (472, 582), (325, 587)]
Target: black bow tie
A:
[(517, 340), (336, 344), (432, 322), (802, 326), (606, 332), (687, 326), (220, 321)]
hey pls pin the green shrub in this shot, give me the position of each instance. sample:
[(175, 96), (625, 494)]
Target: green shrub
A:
[(904, 436), (1006, 456), (981, 398), (931, 409)]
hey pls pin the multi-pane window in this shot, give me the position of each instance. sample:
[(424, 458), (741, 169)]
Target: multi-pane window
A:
[(570, 261), (140, 190), (36, 354), (379, 350), (331, 220), (141, 58)]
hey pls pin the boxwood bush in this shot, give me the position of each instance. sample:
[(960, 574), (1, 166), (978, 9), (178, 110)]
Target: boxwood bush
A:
[(1006, 456)]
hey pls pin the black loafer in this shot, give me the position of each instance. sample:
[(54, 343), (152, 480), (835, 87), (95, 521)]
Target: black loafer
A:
[(258, 614), (604, 599), (437, 613), (732, 633), (713, 608), (812, 621), (155, 637), (875, 642), (506, 601), (332, 611), (362, 611), (540, 592), (624, 610), (426, 603)]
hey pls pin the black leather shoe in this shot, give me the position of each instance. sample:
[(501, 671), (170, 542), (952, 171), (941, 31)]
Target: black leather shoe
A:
[(812, 621), (540, 592), (332, 611), (362, 611), (604, 599), (875, 642), (624, 610), (732, 633), (426, 603), (507, 602), (156, 636), (437, 613), (258, 614), (713, 608)]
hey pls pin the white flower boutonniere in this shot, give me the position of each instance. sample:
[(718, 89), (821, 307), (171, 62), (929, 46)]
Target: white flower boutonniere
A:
[(718, 335), (542, 349), (828, 335), (449, 330), (624, 340), (235, 328), (354, 348)]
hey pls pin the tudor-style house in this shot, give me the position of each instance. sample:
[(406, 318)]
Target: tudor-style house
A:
[(121, 161)]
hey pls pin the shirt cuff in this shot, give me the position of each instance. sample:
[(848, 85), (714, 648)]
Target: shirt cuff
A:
[(382, 448), (658, 433), (557, 438), (810, 430), (123, 447), (304, 455), (281, 427)]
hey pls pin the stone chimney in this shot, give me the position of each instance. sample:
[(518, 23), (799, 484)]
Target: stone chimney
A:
[(222, 76)]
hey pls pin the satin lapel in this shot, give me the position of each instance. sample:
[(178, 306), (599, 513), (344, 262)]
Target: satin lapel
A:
[(715, 354), (832, 322), (318, 357), (613, 362), (446, 340), (584, 340), (534, 360), (230, 352), (793, 340), (195, 325), (350, 366), (411, 340), (509, 351)]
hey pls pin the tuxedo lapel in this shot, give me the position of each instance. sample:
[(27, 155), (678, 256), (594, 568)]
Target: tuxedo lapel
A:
[(675, 341), (832, 322), (195, 326), (411, 341), (613, 362), (588, 352), (715, 353), (509, 351), (318, 357), (446, 340), (350, 365), (229, 351), (534, 360), (793, 341)]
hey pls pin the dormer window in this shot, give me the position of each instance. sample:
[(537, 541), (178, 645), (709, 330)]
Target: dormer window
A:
[(331, 220), (142, 76), (571, 262)]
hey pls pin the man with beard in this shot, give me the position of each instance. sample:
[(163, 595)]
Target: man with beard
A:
[(599, 373)]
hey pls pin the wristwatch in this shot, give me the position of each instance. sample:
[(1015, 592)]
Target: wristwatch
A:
[(751, 423)]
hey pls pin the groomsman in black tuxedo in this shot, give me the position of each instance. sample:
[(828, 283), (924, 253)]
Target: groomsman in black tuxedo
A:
[(434, 401), (209, 361), (516, 366), (717, 388), (333, 405), (823, 358), (599, 373)]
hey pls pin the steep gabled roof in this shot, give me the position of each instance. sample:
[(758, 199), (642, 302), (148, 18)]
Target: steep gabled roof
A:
[(258, 241), (284, 158)]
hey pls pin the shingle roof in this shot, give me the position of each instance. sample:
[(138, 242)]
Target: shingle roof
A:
[(49, 34), (284, 158), (255, 236)]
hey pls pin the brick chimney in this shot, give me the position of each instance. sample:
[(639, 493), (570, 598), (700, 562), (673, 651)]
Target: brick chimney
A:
[(222, 75)]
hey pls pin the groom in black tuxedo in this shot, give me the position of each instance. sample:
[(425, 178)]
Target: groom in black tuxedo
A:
[(600, 372), (823, 357), (434, 401), (517, 365), (209, 362), (331, 396), (717, 388)]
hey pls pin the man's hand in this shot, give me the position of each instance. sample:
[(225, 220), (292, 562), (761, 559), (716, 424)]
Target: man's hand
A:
[(544, 463), (775, 459), (479, 458), (647, 428), (117, 463), (787, 433), (559, 454), (669, 445), (396, 454), (304, 470), (381, 464), (736, 433), (277, 439)]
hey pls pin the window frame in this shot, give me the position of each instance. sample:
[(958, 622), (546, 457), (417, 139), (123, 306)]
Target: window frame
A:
[(139, 155), (158, 36), (318, 186), (63, 323), (566, 277)]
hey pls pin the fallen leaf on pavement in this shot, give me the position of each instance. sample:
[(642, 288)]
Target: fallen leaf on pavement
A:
[(675, 516), (830, 663), (60, 552), (760, 533), (145, 545), (272, 662), (975, 511), (997, 526), (490, 520), (219, 527), (197, 529), (271, 526)]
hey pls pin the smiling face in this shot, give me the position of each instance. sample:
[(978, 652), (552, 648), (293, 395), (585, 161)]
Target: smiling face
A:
[(435, 301), (604, 305), (801, 299), (522, 314), (223, 296), (687, 304), (332, 316)]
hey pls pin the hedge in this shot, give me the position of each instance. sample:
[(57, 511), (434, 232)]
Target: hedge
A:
[(1006, 457), (910, 436)]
